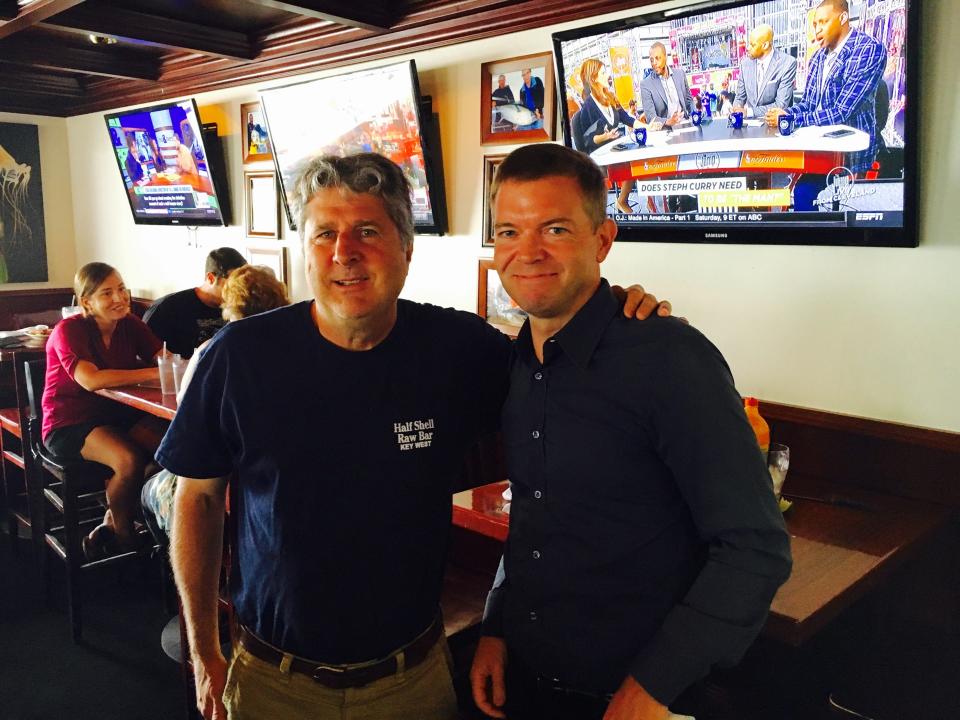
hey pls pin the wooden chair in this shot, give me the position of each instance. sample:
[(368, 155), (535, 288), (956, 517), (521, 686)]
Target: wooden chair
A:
[(20, 502), (72, 501)]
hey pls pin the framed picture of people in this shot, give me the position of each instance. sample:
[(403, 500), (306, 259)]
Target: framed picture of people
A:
[(255, 138), (517, 100), (490, 164)]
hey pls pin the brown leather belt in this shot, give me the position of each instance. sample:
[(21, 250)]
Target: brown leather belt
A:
[(341, 677)]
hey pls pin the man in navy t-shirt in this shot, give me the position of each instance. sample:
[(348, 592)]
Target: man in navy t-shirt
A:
[(341, 424)]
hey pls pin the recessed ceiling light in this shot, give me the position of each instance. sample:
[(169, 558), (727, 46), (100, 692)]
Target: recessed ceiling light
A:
[(101, 39)]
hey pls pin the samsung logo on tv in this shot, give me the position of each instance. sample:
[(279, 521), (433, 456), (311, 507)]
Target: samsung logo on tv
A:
[(719, 236)]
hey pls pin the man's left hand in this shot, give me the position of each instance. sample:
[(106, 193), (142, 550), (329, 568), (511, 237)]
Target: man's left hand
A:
[(632, 702), (640, 304)]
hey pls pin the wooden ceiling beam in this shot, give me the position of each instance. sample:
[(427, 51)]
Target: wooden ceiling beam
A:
[(95, 60), (145, 29), (378, 17), (35, 12), (35, 83)]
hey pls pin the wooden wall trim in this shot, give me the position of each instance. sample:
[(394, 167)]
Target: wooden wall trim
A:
[(913, 434), (913, 462)]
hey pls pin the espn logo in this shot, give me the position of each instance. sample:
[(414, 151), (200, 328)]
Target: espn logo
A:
[(869, 217)]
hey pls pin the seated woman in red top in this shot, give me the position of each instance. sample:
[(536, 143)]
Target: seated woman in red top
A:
[(105, 346)]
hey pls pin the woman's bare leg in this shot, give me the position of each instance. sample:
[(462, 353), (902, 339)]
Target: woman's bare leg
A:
[(113, 448)]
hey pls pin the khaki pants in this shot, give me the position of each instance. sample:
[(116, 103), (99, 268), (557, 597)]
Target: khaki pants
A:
[(257, 690)]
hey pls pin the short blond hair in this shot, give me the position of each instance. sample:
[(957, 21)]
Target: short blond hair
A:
[(252, 289)]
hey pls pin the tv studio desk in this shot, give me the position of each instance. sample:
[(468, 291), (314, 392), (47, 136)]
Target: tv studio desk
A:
[(714, 147)]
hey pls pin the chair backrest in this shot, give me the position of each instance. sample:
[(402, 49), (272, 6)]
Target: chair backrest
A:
[(576, 130), (34, 376)]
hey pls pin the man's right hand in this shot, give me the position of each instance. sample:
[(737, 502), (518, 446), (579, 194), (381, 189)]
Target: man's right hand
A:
[(210, 676), (489, 663)]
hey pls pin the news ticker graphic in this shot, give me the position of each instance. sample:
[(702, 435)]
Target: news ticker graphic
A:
[(773, 219)]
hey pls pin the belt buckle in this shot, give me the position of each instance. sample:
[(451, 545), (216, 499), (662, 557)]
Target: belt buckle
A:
[(328, 668)]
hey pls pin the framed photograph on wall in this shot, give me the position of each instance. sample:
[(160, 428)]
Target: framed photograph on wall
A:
[(490, 164), (493, 303), (517, 100), (256, 140), (274, 258), (261, 204)]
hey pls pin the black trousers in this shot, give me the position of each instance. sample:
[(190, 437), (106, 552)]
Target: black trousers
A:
[(530, 697)]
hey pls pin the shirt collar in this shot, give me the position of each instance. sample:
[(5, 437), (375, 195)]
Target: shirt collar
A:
[(579, 337), (840, 47)]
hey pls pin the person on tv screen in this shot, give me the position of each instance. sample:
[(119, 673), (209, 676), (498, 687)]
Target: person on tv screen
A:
[(531, 97), (841, 82), (105, 346), (767, 76), (665, 95), (502, 95), (132, 161), (186, 164), (599, 120), (187, 318)]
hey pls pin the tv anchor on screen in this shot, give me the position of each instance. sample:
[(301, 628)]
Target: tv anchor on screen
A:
[(816, 136)]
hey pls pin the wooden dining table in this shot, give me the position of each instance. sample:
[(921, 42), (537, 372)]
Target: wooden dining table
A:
[(146, 397), (845, 542)]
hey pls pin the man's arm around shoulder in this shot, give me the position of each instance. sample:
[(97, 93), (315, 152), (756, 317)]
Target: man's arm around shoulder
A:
[(195, 553)]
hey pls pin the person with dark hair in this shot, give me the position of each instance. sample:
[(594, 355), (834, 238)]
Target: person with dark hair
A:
[(645, 541), (502, 93), (187, 318), (249, 290), (104, 346), (841, 82), (341, 422), (531, 97), (665, 95)]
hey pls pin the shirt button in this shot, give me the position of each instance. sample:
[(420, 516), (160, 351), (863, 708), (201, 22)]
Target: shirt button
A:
[(538, 376), (536, 554), (533, 615), (536, 434), (537, 494)]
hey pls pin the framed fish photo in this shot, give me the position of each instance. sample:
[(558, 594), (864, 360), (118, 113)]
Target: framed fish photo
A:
[(517, 100)]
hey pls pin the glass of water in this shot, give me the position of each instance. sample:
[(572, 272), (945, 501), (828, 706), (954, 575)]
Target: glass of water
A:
[(778, 461)]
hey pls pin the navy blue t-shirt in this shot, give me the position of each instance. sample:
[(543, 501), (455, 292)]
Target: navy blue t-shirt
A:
[(344, 462)]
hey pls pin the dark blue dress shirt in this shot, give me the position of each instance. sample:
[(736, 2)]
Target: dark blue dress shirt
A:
[(644, 534)]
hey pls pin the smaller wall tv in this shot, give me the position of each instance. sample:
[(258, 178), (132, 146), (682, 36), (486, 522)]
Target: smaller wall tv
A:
[(171, 165), (377, 110)]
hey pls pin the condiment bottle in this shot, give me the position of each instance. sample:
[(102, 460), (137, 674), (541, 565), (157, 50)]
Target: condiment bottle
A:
[(759, 425)]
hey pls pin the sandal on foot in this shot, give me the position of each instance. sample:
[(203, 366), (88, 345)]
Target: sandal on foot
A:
[(99, 543)]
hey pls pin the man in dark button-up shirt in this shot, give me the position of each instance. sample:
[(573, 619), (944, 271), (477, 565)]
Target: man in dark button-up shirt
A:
[(645, 541)]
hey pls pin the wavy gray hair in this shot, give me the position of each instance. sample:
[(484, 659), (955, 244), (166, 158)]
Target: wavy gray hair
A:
[(359, 173)]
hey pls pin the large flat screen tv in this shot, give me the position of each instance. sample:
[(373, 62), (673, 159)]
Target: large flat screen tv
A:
[(378, 110), (172, 166), (840, 169)]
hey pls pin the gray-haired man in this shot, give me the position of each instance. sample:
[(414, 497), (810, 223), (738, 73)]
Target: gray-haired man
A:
[(342, 422)]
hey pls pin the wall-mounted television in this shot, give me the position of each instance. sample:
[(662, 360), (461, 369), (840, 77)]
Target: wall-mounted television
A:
[(172, 165), (840, 168), (376, 110)]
